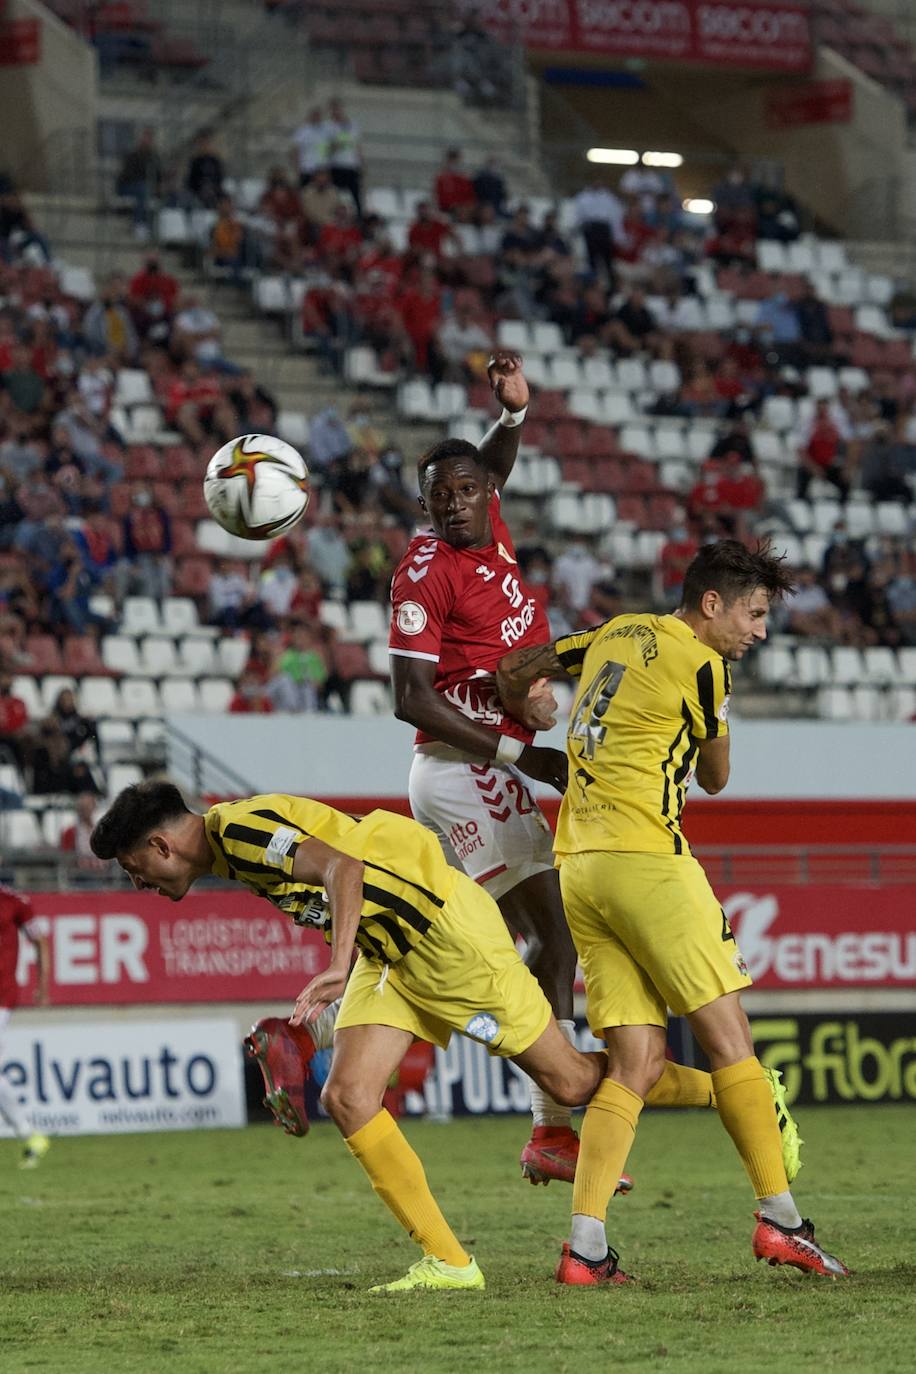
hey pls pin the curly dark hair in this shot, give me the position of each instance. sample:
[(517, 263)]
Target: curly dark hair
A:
[(133, 814), (733, 570), (446, 450)]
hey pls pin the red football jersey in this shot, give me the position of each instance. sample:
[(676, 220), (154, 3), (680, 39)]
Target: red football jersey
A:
[(463, 609), (15, 913)]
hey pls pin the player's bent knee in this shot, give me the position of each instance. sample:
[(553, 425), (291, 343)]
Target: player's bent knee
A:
[(347, 1102)]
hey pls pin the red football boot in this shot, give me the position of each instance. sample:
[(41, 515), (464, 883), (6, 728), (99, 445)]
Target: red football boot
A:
[(582, 1273), (796, 1246), (283, 1053), (552, 1152)]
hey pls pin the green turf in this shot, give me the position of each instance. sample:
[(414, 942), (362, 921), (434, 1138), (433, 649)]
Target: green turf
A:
[(247, 1251)]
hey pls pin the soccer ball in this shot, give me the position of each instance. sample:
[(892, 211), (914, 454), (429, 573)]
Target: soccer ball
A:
[(257, 486)]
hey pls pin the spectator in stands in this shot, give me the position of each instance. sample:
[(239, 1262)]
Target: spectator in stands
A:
[(777, 215), (307, 597), (644, 185), (454, 188), (250, 698), (885, 465), (19, 239), (599, 216), (74, 839), (817, 342), (329, 555), (152, 297), (310, 146), (344, 155), (490, 188), (728, 489), (734, 244), (89, 436), (464, 344), (53, 767), (320, 200), (340, 242), (301, 673), (735, 437), (278, 586), (24, 387), (14, 722), (255, 407), (674, 557), (420, 307), (866, 600), (901, 597), (821, 453), (328, 439), (808, 608), (190, 400), (634, 328), (429, 233), (205, 175), (69, 584), (11, 512), (280, 208), (779, 330), (145, 568), (139, 180), (575, 573), (196, 333), (734, 196), (605, 602), (78, 729), (107, 325), (369, 573), (94, 539), (233, 249), (233, 602)]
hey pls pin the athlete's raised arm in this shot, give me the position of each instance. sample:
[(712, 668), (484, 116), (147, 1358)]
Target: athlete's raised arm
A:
[(499, 447), (519, 671)]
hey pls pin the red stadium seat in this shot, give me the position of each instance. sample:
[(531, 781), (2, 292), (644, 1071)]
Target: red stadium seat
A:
[(350, 661), (193, 577), (143, 464), (44, 655), (81, 655)]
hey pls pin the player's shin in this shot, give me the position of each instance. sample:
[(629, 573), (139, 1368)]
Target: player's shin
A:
[(745, 1105), (681, 1087), (608, 1129), (397, 1176)]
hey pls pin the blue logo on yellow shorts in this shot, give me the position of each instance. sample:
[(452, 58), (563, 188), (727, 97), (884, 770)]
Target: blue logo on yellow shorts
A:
[(483, 1027)]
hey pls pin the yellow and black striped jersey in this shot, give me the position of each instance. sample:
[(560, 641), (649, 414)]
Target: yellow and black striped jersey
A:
[(406, 881), (650, 691)]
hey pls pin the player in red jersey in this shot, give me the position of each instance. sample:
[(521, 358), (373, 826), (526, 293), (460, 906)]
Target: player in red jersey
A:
[(17, 918), (459, 605)]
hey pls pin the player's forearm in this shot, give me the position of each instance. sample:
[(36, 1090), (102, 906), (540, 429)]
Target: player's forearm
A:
[(427, 710), (343, 882), (43, 945), (518, 669), (499, 449)]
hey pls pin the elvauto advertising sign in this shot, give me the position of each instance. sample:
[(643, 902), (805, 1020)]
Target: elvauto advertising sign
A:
[(97, 1078)]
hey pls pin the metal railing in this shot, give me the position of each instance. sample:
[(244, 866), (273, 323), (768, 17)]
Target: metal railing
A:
[(198, 771), (804, 864)]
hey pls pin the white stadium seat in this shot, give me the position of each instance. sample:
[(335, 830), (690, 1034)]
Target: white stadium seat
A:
[(20, 830), (123, 775), (140, 616), (215, 694), (370, 698), (119, 654), (52, 684), (179, 694), (196, 657), (29, 691), (513, 334), (98, 696), (293, 426), (232, 655), (139, 698)]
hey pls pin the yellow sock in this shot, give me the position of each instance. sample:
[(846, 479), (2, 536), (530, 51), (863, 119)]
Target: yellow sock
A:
[(746, 1110), (396, 1174), (682, 1087), (608, 1128)]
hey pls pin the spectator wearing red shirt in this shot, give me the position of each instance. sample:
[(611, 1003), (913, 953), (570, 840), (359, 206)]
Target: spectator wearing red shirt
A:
[(250, 697), (454, 188), (821, 454), (17, 919), (728, 488), (281, 207), (14, 721), (428, 233), (674, 558), (145, 569), (152, 296), (420, 308), (339, 242), (190, 399)]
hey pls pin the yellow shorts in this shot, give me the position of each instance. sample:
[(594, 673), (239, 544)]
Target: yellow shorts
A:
[(650, 935), (465, 975)]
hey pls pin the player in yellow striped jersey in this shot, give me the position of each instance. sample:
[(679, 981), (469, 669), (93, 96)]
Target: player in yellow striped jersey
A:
[(650, 714), (434, 956)]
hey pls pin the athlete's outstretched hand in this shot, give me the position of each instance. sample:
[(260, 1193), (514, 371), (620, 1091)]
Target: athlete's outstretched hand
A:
[(319, 993), (508, 380), (540, 709), (545, 765)]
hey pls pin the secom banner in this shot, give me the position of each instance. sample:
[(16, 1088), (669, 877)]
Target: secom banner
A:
[(774, 37), (864, 1058), (98, 1079)]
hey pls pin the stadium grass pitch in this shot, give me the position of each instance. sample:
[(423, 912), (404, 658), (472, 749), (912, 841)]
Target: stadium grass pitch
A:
[(247, 1251)]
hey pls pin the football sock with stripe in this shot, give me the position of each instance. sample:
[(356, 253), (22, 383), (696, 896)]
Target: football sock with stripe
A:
[(544, 1111), (681, 1087), (745, 1105), (397, 1175), (608, 1128)]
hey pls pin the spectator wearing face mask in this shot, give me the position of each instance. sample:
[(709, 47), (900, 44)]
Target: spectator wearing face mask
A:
[(250, 697), (145, 569)]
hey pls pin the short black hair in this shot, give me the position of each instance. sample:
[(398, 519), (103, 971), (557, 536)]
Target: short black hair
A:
[(446, 449), (133, 814), (732, 570)]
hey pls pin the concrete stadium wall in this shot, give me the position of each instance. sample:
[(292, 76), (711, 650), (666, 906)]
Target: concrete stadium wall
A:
[(48, 109)]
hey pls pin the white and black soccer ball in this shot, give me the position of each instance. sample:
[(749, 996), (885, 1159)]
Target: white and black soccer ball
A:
[(257, 486)]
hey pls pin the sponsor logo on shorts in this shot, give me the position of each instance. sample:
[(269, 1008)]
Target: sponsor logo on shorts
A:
[(411, 618), (483, 1027), (465, 838)]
